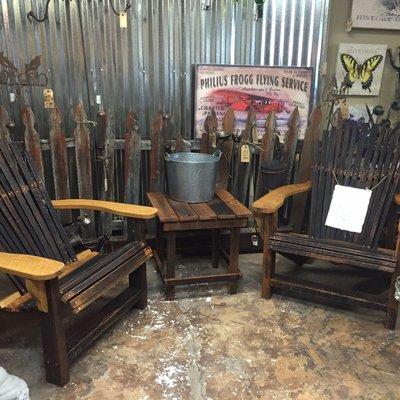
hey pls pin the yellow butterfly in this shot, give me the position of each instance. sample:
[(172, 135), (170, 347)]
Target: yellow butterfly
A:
[(363, 72)]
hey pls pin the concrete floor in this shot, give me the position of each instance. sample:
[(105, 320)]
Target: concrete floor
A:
[(208, 345)]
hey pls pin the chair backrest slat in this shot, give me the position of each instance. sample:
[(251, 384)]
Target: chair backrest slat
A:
[(29, 223), (359, 156)]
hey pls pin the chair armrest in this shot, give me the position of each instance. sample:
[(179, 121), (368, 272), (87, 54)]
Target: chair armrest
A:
[(397, 199), (30, 267), (122, 209), (273, 200)]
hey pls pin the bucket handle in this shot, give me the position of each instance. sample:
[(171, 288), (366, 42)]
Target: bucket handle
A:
[(217, 154), (167, 157)]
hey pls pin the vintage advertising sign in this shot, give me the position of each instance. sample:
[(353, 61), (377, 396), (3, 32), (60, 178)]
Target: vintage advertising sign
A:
[(360, 66), (278, 89), (375, 14)]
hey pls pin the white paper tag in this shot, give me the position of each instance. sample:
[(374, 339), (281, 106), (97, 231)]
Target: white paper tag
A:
[(123, 21), (348, 208), (98, 99)]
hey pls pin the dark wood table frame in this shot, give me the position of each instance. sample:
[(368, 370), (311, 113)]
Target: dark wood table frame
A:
[(223, 212)]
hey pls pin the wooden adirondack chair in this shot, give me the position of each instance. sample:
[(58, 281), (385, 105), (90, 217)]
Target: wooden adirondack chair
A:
[(40, 261), (353, 155)]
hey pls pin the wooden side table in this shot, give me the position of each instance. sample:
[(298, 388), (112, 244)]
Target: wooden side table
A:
[(223, 212)]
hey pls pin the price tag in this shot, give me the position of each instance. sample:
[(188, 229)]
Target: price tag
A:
[(214, 140), (98, 99), (48, 98), (348, 208), (245, 154), (12, 97), (349, 25), (123, 20)]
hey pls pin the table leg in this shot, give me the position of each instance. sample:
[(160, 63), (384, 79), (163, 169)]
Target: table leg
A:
[(216, 242), (170, 261), (233, 266)]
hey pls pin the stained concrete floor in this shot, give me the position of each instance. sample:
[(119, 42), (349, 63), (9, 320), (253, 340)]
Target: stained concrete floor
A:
[(208, 345)]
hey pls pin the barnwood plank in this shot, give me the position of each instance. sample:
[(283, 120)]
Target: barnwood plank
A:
[(291, 141), (305, 164), (267, 147), (165, 211), (105, 143), (183, 211), (204, 211), (132, 159), (32, 139), (243, 170), (156, 147), (83, 155), (210, 130), (236, 206), (4, 121), (226, 147), (59, 160), (221, 209)]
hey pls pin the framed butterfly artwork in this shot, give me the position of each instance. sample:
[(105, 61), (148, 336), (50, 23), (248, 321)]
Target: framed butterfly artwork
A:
[(359, 68)]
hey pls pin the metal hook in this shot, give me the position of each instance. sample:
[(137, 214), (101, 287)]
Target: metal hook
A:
[(128, 5), (31, 14)]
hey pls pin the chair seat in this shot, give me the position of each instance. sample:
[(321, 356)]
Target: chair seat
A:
[(333, 250), (101, 273)]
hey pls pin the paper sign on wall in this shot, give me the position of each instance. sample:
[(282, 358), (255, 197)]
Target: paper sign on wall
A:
[(348, 208)]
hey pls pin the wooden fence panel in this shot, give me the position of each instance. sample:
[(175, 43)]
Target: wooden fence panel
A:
[(157, 147), (132, 159), (32, 139), (291, 142), (83, 154), (4, 122), (59, 161), (105, 161)]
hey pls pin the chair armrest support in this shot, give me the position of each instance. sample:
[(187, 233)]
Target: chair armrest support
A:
[(273, 200), (122, 209), (30, 267)]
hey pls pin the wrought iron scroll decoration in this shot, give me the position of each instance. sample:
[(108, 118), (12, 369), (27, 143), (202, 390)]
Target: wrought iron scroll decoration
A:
[(31, 14), (15, 79)]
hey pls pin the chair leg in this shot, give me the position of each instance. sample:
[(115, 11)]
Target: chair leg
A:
[(216, 242), (233, 266), (170, 262), (269, 226), (53, 338), (392, 307)]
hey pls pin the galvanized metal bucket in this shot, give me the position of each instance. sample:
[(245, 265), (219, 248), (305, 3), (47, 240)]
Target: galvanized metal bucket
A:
[(191, 177)]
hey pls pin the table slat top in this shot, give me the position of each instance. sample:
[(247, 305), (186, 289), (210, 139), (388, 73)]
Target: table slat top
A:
[(223, 206)]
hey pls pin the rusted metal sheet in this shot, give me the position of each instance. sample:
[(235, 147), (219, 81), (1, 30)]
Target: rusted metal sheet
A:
[(4, 121), (156, 148), (132, 159), (105, 160), (32, 139), (59, 160), (83, 156)]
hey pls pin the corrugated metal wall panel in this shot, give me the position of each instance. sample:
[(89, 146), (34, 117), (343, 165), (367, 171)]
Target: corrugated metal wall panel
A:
[(149, 65)]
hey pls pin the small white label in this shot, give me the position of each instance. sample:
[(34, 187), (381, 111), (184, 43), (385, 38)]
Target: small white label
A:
[(98, 99), (349, 25), (245, 154), (348, 208), (123, 20), (12, 97)]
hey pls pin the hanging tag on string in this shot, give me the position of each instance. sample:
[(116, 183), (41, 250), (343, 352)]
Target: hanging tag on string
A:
[(123, 20), (245, 154), (349, 25), (12, 97), (348, 208), (98, 99), (48, 98)]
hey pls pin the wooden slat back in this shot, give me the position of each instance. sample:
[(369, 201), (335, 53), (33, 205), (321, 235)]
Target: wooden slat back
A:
[(359, 156), (29, 224)]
